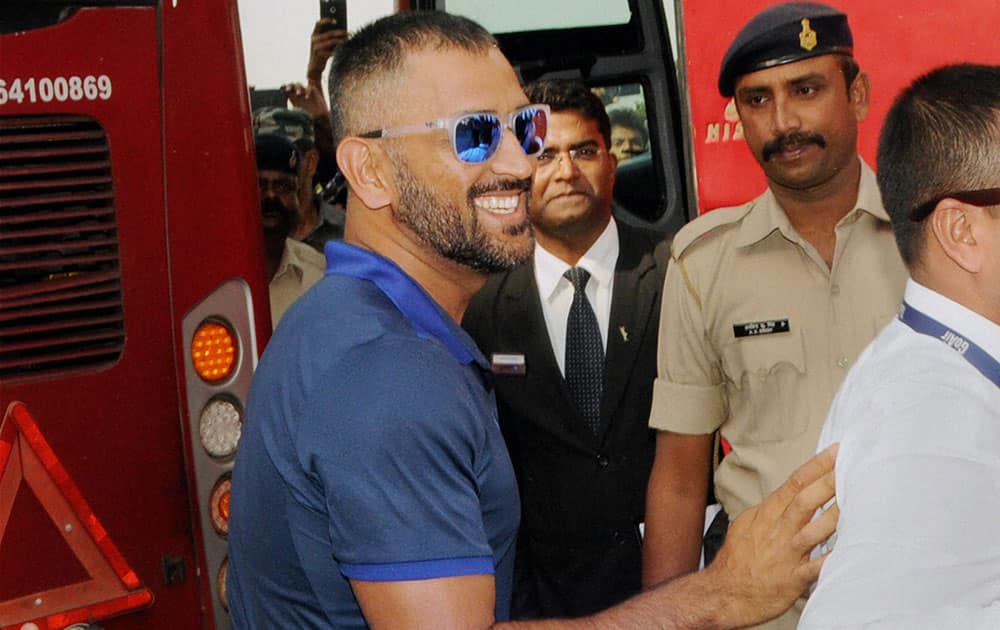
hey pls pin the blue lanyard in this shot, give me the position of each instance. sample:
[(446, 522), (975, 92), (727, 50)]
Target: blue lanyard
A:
[(927, 325)]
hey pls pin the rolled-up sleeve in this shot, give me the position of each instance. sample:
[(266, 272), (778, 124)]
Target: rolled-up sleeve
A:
[(689, 394)]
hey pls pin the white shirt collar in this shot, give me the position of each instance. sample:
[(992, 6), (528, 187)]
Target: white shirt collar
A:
[(599, 261), (970, 324)]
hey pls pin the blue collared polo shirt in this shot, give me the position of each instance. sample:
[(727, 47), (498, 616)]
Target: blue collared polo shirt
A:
[(371, 451)]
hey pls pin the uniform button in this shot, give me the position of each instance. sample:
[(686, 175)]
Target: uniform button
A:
[(835, 289), (842, 362), (602, 461), (618, 538)]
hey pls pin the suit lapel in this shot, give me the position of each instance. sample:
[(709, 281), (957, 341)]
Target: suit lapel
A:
[(523, 330), (636, 292)]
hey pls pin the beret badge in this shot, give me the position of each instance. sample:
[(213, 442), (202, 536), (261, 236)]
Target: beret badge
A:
[(808, 37)]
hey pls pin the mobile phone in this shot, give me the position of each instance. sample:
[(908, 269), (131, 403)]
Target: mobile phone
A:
[(336, 9)]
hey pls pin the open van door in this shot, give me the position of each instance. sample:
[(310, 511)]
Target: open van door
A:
[(621, 49)]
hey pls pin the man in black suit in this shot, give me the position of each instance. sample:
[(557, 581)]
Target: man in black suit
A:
[(580, 444)]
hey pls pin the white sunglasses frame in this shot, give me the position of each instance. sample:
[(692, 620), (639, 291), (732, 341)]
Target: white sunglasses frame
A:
[(451, 125)]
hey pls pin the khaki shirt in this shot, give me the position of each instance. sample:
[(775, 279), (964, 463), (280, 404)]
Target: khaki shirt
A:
[(726, 360), (301, 267)]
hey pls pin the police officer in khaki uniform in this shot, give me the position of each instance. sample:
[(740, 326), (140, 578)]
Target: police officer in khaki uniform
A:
[(292, 267), (767, 305)]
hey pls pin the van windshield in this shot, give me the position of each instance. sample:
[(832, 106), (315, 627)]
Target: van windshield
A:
[(514, 16)]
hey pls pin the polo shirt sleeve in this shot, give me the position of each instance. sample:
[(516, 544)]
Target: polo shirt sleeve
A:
[(399, 468), (689, 392)]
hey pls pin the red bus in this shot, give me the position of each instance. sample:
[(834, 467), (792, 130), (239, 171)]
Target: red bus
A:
[(132, 307)]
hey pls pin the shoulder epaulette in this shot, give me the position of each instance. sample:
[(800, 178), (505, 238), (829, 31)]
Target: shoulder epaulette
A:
[(706, 224)]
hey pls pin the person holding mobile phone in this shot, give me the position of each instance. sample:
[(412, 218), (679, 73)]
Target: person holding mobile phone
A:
[(329, 31)]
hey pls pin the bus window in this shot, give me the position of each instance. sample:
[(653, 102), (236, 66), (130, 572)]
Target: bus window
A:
[(627, 110), (529, 15), (637, 189)]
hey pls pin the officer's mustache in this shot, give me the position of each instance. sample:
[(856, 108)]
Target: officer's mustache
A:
[(796, 139), (271, 205)]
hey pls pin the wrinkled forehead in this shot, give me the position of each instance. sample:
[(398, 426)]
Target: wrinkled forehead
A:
[(569, 129), (624, 131), (827, 67)]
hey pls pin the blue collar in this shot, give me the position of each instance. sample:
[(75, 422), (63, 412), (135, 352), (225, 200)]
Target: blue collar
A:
[(927, 325), (410, 299)]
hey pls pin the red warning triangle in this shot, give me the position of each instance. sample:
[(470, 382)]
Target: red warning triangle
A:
[(112, 587)]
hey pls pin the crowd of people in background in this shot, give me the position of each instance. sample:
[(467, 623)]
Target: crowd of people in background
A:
[(499, 403)]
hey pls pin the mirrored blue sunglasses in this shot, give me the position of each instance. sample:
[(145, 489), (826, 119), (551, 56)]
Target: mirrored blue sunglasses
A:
[(475, 137)]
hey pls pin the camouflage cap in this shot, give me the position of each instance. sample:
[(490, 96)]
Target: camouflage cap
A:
[(294, 124), (783, 34)]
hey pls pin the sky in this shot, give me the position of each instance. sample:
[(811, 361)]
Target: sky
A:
[(276, 35)]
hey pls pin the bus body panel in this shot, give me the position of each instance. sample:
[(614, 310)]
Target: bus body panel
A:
[(177, 123)]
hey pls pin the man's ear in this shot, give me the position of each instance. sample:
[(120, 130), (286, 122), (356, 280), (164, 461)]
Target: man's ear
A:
[(364, 167), (952, 225), (859, 93), (310, 162)]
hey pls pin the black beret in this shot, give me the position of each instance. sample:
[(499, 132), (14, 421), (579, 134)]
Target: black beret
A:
[(276, 153), (782, 34)]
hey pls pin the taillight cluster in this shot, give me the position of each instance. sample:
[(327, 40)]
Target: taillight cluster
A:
[(221, 355), (214, 356)]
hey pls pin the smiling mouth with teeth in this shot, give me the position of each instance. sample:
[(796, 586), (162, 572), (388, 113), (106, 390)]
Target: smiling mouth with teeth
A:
[(506, 204)]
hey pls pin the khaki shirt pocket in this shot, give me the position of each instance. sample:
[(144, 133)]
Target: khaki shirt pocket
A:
[(765, 376)]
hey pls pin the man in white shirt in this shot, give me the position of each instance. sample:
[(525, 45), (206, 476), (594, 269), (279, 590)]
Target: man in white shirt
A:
[(574, 414), (918, 417)]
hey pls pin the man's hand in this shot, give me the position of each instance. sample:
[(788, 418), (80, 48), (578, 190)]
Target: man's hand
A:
[(764, 565), (321, 46), (307, 97)]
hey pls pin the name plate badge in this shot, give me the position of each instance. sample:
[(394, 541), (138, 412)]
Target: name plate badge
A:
[(766, 327), (508, 363)]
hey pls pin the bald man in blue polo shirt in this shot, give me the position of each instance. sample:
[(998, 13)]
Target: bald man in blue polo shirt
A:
[(372, 487)]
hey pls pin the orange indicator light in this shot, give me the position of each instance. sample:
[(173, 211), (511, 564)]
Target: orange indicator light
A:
[(213, 352)]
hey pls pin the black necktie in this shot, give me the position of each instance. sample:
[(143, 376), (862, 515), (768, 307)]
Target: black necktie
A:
[(584, 351)]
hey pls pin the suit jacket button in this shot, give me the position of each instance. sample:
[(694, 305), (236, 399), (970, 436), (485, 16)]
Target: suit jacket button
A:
[(602, 461)]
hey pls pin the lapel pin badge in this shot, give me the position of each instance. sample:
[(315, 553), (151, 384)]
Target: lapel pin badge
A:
[(624, 333)]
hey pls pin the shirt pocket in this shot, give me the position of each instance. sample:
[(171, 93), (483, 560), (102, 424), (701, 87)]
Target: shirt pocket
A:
[(765, 377)]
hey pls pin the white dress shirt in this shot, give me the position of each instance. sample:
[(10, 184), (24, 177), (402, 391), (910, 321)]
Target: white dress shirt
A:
[(556, 292), (918, 482)]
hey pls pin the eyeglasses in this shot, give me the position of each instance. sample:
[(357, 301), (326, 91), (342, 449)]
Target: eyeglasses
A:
[(476, 137), (577, 156), (981, 198), (280, 186)]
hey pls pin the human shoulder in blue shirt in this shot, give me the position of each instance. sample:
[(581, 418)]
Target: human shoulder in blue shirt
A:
[(377, 455)]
